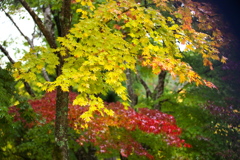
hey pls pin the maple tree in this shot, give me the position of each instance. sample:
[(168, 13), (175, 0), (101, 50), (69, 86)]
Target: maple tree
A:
[(93, 47)]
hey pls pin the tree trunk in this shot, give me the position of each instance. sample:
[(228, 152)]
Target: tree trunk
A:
[(61, 126), (159, 89), (61, 121), (133, 97)]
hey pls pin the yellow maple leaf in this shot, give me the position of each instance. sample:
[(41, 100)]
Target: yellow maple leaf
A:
[(182, 78), (223, 59)]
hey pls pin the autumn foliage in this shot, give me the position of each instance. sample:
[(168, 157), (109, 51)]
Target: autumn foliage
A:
[(97, 46), (109, 133)]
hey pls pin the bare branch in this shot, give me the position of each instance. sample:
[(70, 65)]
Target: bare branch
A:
[(33, 34), (45, 75), (48, 23), (27, 39), (56, 15), (51, 41), (29, 89), (5, 52), (147, 89)]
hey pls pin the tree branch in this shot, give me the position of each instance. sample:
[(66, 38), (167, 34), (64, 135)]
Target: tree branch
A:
[(51, 41), (5, 52), (65, 24), (147, 89), (48, 23), (27, 39), (45, 75), (29, 89), (34, 33), (26, 85), (62, 98), (57, 21), (182, 87)]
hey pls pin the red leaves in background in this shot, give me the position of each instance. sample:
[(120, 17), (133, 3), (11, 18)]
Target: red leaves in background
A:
[(111, 132)]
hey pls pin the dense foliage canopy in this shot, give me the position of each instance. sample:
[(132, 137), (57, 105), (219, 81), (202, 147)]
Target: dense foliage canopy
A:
[(126, 79)]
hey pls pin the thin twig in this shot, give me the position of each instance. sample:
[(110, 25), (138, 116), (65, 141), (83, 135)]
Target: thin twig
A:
[(51, 41), (27, 39)]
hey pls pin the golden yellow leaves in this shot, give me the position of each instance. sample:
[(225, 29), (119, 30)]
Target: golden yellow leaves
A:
[(30, 66), (96, 64), (209, 84), (99, 52), (94, 103), (84, 13), (223, 59), (182, 78), (87, 3), (207, 62), (177, 69), (88, 8)]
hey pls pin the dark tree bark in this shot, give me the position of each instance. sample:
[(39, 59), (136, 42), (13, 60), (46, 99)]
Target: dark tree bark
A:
[(159, 89), (61, 121), (147, 89), (61, 126), (29, 89), (5, 52), (133, 97)]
